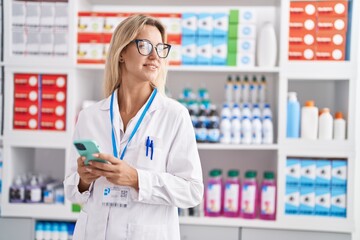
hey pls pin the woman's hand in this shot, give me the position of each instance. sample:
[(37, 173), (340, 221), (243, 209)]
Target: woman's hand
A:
[(116, 171), (86, 176)]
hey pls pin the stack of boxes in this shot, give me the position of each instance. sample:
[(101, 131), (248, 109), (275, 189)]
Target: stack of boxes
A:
[(316, 187), (318, 30), (242, 38), (40, 102), (40, 28)]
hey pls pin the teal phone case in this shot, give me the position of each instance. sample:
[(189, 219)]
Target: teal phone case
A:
[(87, 148)]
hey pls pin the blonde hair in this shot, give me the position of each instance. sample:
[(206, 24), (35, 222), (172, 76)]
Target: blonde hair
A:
[(124, 33)]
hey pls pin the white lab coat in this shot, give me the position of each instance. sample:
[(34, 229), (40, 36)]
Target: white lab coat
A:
[(172, 179)]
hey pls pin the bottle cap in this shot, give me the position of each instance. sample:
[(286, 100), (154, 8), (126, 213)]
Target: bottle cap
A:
[(250, 174), (246, 79), (309, 103), (324, 110), (268, 175), (263, 79), (338, 115), (292, 96), (229, 78), (237, 78), (233, 173), (215, 172)]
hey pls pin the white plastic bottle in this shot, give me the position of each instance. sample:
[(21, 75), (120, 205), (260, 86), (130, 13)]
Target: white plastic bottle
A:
[(246, 130), (237, 90), (245, 89), (262, 90), (256, 130), (325, 124), (225, 111), (266, 112), (256, 112), (254, 90), (309, 120), (228, 90), (225, 130), (266, 46), (235, 130), (246, 111), (235, 111), (267, 131), (339, 127)]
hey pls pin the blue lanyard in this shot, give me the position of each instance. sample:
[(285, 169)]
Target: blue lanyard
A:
[(153, 94)]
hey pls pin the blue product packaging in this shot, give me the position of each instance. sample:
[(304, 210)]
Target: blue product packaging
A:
[(322, 201), (323, 173), (220, 24), (204, 50), (293, 116), (339, 174), (205, 24), (338, 202), (293, 169), (247, 31), (247, 15), (246, 45), (292, 200), (307, 201), (189, 24), (188, 50), (219, 50), (308, 173)]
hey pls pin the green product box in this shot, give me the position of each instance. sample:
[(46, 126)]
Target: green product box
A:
[(232, 45), (231, 59), (234, 16), (233, 31)]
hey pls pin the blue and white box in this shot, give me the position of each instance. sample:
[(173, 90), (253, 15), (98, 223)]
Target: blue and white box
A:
[(339, 174), (188, 50), (246, 45), (247, 15), (308, 173), (220, 24), (219, 50), (323, 173), (205, 24), (293, 172), (292, 200), (247, 31), (307, 201), (189, 24), (322, 201), (338, 202), (204, 50), (245, 60)]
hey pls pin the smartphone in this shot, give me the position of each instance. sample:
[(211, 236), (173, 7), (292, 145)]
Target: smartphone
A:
[(87, 148)]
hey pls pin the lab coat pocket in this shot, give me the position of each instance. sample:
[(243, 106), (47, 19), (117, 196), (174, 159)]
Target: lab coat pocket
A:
[(151, 156), (80, 227), (146, 232)]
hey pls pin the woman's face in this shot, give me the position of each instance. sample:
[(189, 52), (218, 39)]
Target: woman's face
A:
[(138, 67)]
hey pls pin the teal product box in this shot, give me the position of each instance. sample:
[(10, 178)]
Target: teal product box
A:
[(205, 24), (322, 201), (307, 201), (293, 170), (220, 24), (219, 50), (247, 15), (338, 202), (189, 24), (247, 31), (246, 45), (188, 50), (292, 200), (323, 173), (204, 50), (308, 173), (339, 174)]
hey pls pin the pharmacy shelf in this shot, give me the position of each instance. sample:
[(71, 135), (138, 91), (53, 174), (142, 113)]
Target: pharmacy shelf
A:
[(220, 146)]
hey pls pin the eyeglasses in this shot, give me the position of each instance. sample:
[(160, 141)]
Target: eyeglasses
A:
[(145, 48)]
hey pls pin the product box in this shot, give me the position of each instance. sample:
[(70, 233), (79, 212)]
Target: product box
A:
[(204, 50), (247, 31), (339, 174), (322, 201), (303, 9), (246, 45), (307, 201), (231, 59), (26, 81), (171, 21), (205, 24), (293, 172), (188, 50), (332, 8), (323, 173), (53, 81), (18, 42), (52, 123), (47, 14), (189, 24), (219, 50), (175, 52), (292, 200), (337, 24), (308, 173), (301, 38), (61, 43), (90, 48), (53, 95), (46, 47), (220, 24), (301, 52), (112, 20), (302, 23), (247, 15), (90, 22), (331, 39), (245, 59), (25, 122), (33, 43), (61, 14), (234, 16), (326, 54), (32, 14), (26, 108), (18, 13), (338, 202)]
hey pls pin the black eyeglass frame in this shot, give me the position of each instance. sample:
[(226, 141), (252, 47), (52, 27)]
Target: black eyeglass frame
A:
[(136, 41)]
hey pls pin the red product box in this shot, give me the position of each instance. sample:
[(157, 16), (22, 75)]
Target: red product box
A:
[(52, 123), (26, 108), (332, 8), (26, 81), (330, 53), (112, 20), (331, 40), (302, 52), (90, 48), (338, 24), (53, 81), (25, 122), (27, 95), (303, 9), (53, 109), (303, 23), (53, 95), (90, 22), (300, 37)]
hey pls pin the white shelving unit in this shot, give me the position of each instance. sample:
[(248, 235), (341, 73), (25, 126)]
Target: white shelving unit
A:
[(340, 77)]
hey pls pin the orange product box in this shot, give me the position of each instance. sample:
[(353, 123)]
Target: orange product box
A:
[(53, 109), (338, 24), (90, 48), (27, 95), (332, 8), (330, 54), (331, 39), (29, 81), (112, 20), (25, 122), (301, 22), (52, 123), (53, 95), (302, 52), (174, 56), (303, 9), (26, 108), (90, 22), (53, 81), (300, 37)]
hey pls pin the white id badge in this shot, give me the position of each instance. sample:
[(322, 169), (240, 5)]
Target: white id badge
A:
[(116, 196)]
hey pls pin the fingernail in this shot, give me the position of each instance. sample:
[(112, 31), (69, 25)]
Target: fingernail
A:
[(96, 155), (83, 158)]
